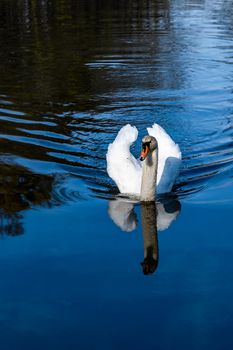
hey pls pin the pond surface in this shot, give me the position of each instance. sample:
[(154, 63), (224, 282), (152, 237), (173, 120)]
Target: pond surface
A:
[(80, 267)]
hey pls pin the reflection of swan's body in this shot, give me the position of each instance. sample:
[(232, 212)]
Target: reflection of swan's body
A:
[(122, 214), (162, 162), (167, 213), (121, 211)]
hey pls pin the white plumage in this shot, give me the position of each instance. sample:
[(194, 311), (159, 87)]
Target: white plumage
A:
[(126, 170)]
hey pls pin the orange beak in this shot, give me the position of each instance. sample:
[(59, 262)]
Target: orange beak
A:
[(144, 152)]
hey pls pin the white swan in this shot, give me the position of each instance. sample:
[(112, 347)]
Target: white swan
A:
[(161, 166)]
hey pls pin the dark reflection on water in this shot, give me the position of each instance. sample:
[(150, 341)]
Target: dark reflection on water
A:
[(21, 189)]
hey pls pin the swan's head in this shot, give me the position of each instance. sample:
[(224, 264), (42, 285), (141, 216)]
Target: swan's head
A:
[(149, 265), (149, 144)]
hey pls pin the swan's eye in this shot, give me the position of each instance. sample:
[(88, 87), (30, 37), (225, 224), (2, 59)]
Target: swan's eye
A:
[(146, 144)]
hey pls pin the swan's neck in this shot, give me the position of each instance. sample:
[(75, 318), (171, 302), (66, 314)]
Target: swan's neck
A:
[(149, 177)]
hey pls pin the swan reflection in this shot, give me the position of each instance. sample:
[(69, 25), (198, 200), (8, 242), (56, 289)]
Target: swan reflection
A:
[(150, 237), (154, 216), (122, 214)]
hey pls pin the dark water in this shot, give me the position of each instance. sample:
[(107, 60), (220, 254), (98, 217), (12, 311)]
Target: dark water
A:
[(72, 258)]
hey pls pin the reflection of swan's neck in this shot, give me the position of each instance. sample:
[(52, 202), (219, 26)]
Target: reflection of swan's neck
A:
[(149, 230), (149, 176)]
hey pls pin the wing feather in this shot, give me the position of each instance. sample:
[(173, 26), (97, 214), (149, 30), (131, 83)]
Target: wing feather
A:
[(169, 159), (122, 166)]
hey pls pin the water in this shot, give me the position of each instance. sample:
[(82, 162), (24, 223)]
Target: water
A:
[(71, 256)]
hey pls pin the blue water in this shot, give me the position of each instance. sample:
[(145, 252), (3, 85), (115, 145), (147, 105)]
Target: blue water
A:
[(76, 281), (73, 259)]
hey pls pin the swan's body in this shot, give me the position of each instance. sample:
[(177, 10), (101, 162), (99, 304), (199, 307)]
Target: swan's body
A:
[(127, 172)]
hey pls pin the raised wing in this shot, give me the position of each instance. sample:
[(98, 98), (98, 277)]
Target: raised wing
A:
[(169, 159), (122, 166)]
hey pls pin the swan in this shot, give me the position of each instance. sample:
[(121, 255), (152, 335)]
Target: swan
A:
[(160, 156)]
